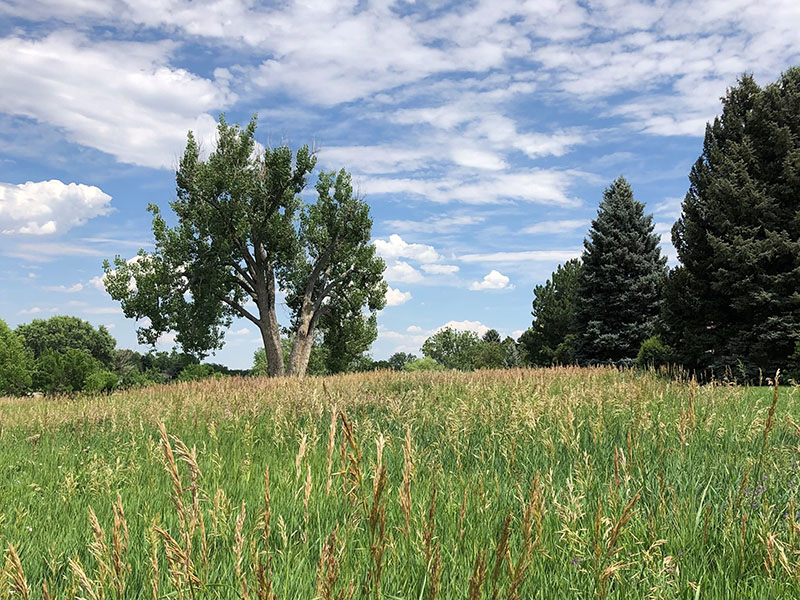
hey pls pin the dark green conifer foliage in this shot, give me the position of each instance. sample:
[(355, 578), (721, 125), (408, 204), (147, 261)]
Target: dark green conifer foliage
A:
[(736, 302), (619, 285), (553, 313)]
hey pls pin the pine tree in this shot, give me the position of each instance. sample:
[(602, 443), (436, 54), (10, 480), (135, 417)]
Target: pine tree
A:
[(619, 285), (548, 339), (735, 303)]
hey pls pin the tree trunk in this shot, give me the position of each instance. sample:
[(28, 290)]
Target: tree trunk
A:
[(268, 323), (270, 334), (303, 340)]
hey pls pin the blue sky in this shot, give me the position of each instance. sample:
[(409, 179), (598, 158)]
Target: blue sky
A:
[(481, 133)]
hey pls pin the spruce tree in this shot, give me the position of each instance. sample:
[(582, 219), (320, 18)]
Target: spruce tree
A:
[(619, 285), (735, 303)]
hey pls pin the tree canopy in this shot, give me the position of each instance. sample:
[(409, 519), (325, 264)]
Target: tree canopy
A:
[(242, 232), (61, 333)]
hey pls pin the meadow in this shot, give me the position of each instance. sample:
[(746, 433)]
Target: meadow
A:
[(564, 482)]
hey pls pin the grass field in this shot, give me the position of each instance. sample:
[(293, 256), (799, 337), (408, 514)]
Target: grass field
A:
[(513, 484)]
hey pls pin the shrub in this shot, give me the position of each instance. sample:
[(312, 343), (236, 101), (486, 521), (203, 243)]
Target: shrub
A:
[(423, 364), (653, 353), (101, 382), (64, 372), (196, 373)]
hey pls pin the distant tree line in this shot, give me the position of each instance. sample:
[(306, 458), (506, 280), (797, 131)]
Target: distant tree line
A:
[(64, 355)]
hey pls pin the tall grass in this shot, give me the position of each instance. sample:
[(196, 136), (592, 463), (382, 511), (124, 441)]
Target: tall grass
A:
[(514, 484)]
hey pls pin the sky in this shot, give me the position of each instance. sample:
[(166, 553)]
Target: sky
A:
[(481, 133)]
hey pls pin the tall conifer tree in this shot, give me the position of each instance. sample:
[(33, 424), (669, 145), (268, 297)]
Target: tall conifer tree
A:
[(735, 303), (619, 285)]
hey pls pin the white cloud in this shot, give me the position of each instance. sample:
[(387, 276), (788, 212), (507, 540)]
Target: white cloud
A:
[(555, 227), (395, 297), (522, 256), (62, 288), (396, 247), (465, 325), (48, 207), (122, 98), (402, 272), (494, 280), (242, 331), (440, 269), (414, 329)]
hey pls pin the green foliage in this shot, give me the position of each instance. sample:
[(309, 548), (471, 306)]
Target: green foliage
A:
[(101, 382), (653, 353), (735, 304), (453, 349), (619, 286), (794, 364), (16, 362), (61, 333), (65, 371), (196, 372), (399, 360), (553, 317), (423, 364)]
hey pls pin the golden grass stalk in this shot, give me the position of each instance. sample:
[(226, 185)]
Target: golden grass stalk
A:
[(405, 488), (16, 576), (328, 568), (120, 538), (475, 591), (83, 579), (153, 558), (238, 547), (500, 554), (263, 564)]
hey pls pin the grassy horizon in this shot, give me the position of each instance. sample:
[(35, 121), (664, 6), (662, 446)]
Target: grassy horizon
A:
[(515, 484)]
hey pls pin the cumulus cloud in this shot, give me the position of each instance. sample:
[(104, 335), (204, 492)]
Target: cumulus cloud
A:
[(465, 325), (396, 247), (494, 280), (402, 272), (48, 207), (395, 297), (242, 331)]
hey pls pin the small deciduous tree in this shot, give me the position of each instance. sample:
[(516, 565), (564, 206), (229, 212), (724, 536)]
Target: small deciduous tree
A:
[(453, 349), (241, 232)]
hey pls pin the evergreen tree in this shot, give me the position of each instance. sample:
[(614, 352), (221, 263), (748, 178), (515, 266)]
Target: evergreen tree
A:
[(619, 285), (735, 304), (553, 315)]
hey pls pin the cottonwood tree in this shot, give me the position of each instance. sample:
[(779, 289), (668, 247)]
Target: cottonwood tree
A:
[(619, 286), (735, 301), (242, 233)]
